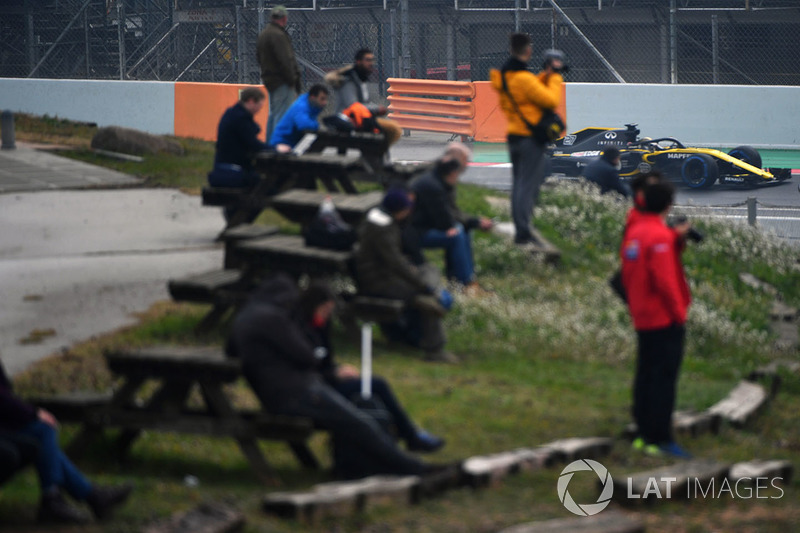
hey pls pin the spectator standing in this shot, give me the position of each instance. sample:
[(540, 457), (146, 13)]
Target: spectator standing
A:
[(525, 98), (604, 172), (279, 71), (22, 423), (301, 116), (437, 222), (383, 270), (352, 106), (658, 300)]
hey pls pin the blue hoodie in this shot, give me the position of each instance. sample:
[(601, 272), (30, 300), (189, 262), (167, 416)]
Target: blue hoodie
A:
[(301, 116)]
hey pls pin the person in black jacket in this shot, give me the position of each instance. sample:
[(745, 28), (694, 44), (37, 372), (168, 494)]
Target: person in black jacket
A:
[(279, 336), (604, 171), (20, 423), (437, 222), (237, 142)]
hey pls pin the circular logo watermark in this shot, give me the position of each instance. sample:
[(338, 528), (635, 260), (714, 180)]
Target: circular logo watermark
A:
[(586, 509)]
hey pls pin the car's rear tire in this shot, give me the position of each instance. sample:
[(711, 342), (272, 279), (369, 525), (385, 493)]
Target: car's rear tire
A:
[(748, 154), (699, 171)]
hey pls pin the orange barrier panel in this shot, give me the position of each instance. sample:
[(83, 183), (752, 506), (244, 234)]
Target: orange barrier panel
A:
[(405, 104), (433, 114), (458, 89), (490, 121), (199, 106)]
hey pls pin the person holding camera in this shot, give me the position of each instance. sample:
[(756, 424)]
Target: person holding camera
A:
[(658, 299), (528, 101)]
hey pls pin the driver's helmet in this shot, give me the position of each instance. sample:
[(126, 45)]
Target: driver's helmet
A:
[(647, 144)]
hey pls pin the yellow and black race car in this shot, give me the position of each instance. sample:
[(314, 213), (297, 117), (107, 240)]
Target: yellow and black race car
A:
[(697, 168)]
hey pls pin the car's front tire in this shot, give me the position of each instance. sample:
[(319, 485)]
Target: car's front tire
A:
[(748, 154), (699, 171)]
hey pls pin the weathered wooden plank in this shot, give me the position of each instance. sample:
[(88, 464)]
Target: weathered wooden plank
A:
[(772, 369), (377, 490), (310, 507), (485, 470), (289, 253), (198, 363), (210, 517), (208, 287), (302, 205), (72, 407), (373, 309), (579, 448), (687, 422), (539, 246), (605, 522), (683, 480), (750, 470), (741, 404)]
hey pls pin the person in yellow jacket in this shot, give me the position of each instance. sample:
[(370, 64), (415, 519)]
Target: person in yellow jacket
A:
[(525, 99)]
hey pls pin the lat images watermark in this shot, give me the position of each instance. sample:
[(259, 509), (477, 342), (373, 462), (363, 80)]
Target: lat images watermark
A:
[(664, 487), (586, 509)]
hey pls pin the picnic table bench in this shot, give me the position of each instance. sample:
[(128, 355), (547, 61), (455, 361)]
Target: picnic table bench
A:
[(301, 206), (280, 172), (178, 370)]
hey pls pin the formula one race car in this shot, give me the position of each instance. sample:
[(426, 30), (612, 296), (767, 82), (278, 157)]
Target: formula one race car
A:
[(696, 168)]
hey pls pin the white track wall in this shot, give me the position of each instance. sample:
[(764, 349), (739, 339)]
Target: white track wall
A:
[(142, 105), (708, 115)]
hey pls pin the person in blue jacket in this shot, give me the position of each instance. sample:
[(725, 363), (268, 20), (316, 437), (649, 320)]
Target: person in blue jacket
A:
[(604, 171), (300, 117), (237, 142)]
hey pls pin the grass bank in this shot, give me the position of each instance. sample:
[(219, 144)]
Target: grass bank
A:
[(549, 355)]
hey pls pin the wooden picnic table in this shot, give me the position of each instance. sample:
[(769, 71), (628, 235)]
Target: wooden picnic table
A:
[(178, 370), (301, 206), (290, 254)]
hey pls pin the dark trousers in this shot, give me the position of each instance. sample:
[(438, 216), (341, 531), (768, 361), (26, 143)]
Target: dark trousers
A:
[(657, 366), (349, 426), (528, 169), (53, 467), (351, 388)]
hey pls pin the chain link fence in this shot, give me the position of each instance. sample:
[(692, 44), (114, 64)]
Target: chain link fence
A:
[(635, 41)]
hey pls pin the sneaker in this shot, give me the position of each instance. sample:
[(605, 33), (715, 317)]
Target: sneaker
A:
[(640, 445), (102, 500), (442, 356), (428, 303), (672, 448), (55, 509), (424, 442)]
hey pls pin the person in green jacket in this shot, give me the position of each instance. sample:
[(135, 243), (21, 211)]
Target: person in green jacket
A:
[(279, 71), (384, 270)]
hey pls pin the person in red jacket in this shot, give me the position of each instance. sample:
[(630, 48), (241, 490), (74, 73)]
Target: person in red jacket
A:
[(658, 300)]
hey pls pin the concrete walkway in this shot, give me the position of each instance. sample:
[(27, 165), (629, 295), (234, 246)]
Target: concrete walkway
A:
[(81, 263), (26, 169)]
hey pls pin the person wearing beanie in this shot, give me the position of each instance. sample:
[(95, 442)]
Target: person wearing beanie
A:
[(604, 172), (382, 269), (280, 335)]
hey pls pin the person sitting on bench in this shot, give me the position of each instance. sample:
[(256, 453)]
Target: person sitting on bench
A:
[(352, 106), (437, 222), (276, 336), (383, 270), (22, 421), (238, 143), (300, 117)]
